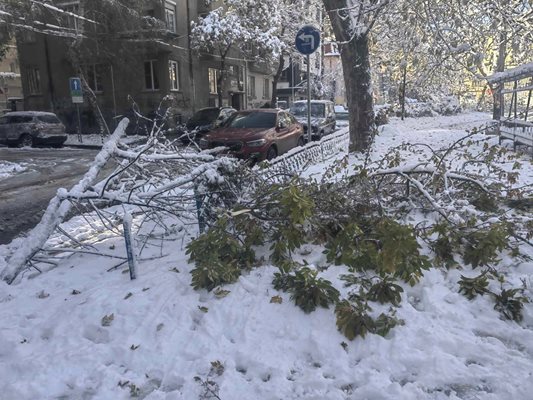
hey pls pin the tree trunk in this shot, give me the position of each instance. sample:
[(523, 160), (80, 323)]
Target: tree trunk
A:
[(275, 80), (220, 78), (497, 110), (356, 68)]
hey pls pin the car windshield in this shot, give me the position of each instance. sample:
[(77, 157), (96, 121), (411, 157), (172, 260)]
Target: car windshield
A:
[(254, 119), (204, 117), (317, 109)]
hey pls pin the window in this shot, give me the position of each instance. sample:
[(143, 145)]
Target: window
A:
[(251, 86), (34, 80), (72, 21), (94, 77), (48, 119), (266, 89), (151, 79), (173, 71), (213, 73), (20, 119), (170, 16)]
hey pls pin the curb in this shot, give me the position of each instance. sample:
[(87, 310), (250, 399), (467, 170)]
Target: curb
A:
[(84, 146)]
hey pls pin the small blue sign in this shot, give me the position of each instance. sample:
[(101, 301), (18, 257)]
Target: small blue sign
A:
[(307, 39), (76, 91), (75, 84)]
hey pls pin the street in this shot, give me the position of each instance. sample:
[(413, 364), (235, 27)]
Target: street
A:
[(25, 196)]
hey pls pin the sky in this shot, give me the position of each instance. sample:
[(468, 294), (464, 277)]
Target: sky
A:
[(84, 330)]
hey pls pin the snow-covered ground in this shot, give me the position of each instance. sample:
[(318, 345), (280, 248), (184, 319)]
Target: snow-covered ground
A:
[(81, 332), (8, 169)]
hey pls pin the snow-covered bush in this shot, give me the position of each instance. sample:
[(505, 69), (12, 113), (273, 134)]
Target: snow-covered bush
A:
[(446, 105)]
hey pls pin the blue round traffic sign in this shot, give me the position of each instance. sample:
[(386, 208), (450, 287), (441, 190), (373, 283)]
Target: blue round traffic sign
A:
[(307, 39)]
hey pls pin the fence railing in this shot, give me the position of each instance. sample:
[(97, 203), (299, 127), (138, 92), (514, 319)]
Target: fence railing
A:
[(520, 132), (300, 157)]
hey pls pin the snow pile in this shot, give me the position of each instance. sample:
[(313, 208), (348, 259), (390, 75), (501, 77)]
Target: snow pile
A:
[(8, 169), (84, 330)]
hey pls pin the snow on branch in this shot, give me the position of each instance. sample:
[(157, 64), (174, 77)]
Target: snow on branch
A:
[(57, 210), (520, 72)]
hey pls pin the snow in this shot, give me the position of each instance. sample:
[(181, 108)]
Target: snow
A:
[(81, 332), (520, 72), (8, 169)]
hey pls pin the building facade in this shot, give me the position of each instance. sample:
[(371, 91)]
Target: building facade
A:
[(10, 81), (147, 65)]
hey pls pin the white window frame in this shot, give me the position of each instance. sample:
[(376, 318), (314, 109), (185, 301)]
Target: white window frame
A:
[(266, 88), (152, 75), (174, 75), (72, 7), (170, 16), (251, 86), (212, 74)]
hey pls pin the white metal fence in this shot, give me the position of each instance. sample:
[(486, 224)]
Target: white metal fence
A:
[(300, 157), (520, 132)]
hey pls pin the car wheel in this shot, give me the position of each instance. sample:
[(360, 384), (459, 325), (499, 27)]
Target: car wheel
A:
[(25, 141), (301, 141), (271, 153)]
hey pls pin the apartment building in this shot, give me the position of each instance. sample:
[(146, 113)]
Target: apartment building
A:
[(148, 64), (10, 82)]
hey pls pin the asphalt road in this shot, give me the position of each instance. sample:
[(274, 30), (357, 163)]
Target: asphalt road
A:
[(25, 196)]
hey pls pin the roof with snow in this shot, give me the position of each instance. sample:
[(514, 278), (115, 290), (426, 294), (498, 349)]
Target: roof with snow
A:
[(521, 72)]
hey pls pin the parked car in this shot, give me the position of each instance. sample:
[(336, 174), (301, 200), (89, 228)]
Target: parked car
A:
[(204, 120), (341, 116), (257, 134), (31, 128), (323, 120)]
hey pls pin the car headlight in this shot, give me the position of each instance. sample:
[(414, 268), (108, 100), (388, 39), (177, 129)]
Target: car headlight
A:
[(204, 144), (256, 143)]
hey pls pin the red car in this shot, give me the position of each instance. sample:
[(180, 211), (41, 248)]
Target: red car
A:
[(261, 134)]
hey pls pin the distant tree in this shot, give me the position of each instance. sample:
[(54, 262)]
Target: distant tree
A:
[(236, 25), (293, 14)]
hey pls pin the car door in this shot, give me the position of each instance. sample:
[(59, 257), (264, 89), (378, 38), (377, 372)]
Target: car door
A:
[(283, 137), (17, 126), (296, 130)]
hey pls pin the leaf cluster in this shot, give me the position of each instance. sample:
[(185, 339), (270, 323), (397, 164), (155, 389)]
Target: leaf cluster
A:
[(482, 246), (387, 247), (307, 291), (219, 257), (353, 320)]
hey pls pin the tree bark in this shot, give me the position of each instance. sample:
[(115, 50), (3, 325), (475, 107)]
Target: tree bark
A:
[(275, 80), (497, 110), (356, 68)]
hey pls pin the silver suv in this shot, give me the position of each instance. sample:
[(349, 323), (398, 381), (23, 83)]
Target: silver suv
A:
[(323, 121), (31, 128)]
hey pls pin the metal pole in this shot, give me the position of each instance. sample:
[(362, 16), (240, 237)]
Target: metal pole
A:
[(309, 129), (292, 81), (79, 123), (114, 96), (130, 247)]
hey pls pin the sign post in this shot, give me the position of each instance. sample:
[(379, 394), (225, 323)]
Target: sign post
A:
[(307, 42), (76, 93)]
